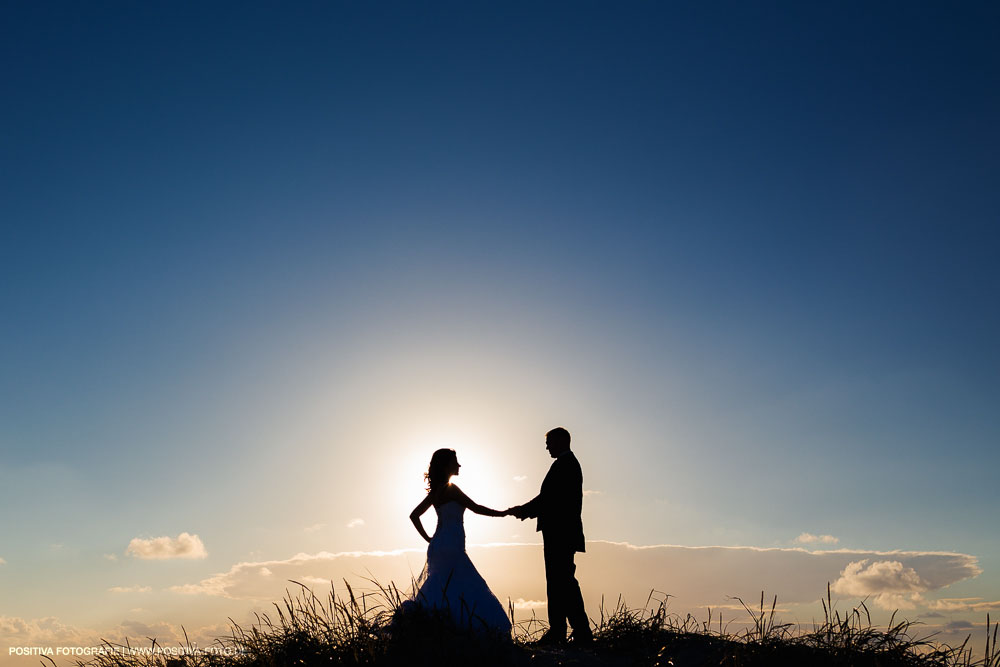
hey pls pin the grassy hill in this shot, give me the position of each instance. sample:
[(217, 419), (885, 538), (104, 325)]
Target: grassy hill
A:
[(306, 631)]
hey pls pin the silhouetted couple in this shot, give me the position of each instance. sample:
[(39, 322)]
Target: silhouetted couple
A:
[(451, 582)]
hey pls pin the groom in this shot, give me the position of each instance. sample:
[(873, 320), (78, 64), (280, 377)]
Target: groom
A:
[(558, 508)]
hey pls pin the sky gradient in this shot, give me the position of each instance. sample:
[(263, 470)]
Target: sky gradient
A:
[(258, 262)]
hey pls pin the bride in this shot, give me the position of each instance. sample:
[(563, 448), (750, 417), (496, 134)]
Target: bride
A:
[(450, 581)]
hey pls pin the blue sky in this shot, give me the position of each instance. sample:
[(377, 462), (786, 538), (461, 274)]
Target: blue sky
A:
[(257, 262)]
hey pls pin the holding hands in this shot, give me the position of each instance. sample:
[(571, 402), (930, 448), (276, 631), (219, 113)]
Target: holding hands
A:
[(517, 511)]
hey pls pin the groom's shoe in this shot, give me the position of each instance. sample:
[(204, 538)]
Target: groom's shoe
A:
[(551, 638), (582, 639)]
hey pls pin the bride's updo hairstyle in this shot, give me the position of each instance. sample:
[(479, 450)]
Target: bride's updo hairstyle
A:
[(439, 471)]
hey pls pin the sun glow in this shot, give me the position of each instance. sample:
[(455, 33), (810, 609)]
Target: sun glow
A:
[(483, 477)]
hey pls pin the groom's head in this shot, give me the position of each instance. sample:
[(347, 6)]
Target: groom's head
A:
[(557, 441)]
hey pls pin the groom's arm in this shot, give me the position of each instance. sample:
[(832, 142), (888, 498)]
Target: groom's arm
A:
[(542, 503), (530, 509)]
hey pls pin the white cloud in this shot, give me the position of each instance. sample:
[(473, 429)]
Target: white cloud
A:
[(521, 603), (696, 577), (315, 527), (184, 545), (893, 585), (50, 631), (592, 492), (111, 557), (165, 633), (130, 589), (15, 631), (245, 581), (809, 538), (796, 575), (355, 523), (885, 576)]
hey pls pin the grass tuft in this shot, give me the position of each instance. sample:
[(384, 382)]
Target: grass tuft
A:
[(381, 629)]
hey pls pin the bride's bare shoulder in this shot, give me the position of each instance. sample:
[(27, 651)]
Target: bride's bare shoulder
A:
[(458, 495), (446, 494), (440, 495)]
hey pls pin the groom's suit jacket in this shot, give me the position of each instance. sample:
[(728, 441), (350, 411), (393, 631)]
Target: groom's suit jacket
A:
[(559, 504)]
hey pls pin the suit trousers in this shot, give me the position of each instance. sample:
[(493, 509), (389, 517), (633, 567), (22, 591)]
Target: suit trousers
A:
[(565, 601)]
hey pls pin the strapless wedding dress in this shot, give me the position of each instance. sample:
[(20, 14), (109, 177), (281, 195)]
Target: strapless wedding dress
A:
[(451, 582)]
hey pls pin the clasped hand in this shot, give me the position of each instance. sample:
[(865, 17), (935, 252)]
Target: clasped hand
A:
[(517, 511)]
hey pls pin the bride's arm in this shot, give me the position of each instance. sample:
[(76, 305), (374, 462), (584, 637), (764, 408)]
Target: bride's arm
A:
[(468, 503), (415, 516)]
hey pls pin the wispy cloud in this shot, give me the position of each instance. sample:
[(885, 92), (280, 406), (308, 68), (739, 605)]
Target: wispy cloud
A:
[(130, 589), (356, 523), (50, 631), (314, 527), (959, 625), (166, 633), (694, 576), (184, 545), (111, 557), (45, 631), (963, 604), (740, 608), (592, 492), (809, 538), (266, 580), (521, 603)]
